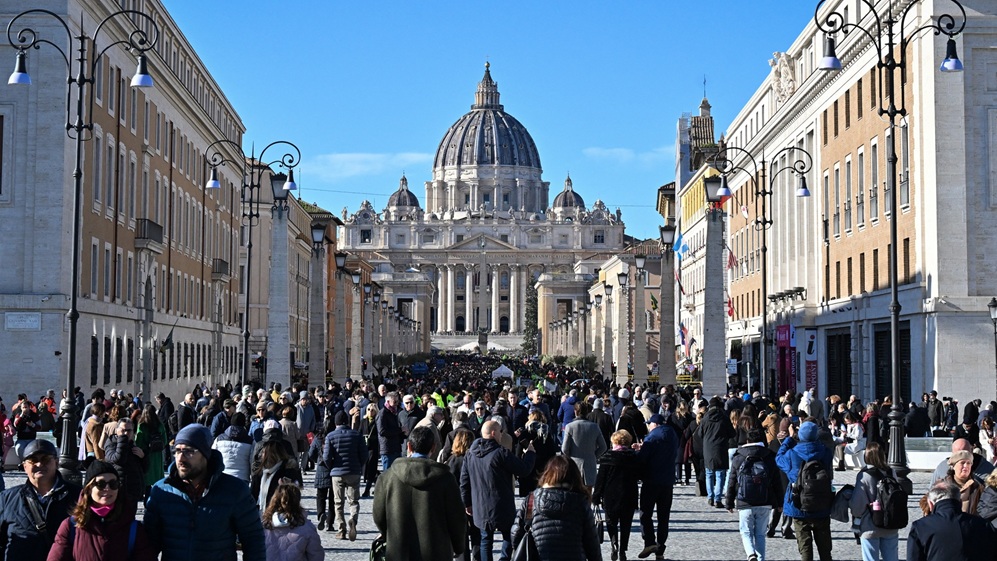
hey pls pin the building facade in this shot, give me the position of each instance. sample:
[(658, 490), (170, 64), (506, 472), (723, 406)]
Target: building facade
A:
[(157, 247), (463, 262), (828, 256)]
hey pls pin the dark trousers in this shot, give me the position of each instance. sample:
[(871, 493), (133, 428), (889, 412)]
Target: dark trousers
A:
[(321, 496), (811, 531), (780, 521), (619, 523), (655, 496)]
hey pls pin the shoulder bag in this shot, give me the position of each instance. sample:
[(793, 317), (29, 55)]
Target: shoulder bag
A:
[(526, 549)]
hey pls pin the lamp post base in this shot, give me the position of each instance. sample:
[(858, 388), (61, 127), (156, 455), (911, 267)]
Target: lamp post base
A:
[(897, 449)]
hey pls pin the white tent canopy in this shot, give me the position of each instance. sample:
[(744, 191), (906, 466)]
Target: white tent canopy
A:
[(502, 371)]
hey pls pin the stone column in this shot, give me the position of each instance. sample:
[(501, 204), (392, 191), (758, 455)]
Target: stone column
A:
[(278, 316), (596, 316), (607, 339), (714, 317), (514, 299), (366, 317), (451, 299), (622, 333), (666, 326), (339, 335), (317, 328), (640, 329), (469, 299), (495, 299), (441, 298), (356, 336)]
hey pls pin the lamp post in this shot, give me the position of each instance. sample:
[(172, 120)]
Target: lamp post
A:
[(889, 37), (367, 333), (382, 327), (993, 317), (253, 168), (79, 127), (317, 314), (801, 162), (375, 326)]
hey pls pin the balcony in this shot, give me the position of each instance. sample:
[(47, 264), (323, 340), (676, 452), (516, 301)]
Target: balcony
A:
[(220, 270), (148, 235)]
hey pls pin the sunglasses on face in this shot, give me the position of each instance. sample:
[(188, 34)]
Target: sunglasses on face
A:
[(102, 484)]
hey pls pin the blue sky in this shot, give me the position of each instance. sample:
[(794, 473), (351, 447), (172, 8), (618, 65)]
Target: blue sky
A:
[(368, 89)]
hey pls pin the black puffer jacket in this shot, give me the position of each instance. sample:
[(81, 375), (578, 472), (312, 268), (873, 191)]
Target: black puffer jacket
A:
[(563, 525), (616, 484), (987, 507), (716, 432)]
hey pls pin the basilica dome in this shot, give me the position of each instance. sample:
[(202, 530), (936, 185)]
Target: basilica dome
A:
[(568, 198), (487, 135), (403, 197)]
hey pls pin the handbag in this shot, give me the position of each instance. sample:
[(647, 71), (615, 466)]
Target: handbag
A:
[(379, 549), (526, 549), (600, 525)]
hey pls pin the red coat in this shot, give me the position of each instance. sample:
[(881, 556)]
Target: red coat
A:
[(102, 540)]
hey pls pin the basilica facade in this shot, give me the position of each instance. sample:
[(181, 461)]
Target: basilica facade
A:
[(461, 264)]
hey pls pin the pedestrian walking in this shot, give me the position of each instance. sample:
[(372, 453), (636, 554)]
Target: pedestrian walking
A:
[(658, 454), (810, 505), (616, 490), (753, 489), (345, 455), (289, 535)]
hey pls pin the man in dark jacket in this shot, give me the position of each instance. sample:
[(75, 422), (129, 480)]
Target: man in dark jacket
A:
[(810, 527), (948, 534), (916, 422), (601, 418), (345, 455), (716, 432), (389, 431), (22, 538), (486, 486), (197, 512), (129, 459), (756, 494), (936, 411), (657, 456), (417, 506)]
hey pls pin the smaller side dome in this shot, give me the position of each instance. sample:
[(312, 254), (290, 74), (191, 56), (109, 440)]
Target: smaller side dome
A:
[(568, 198), (403, 197)]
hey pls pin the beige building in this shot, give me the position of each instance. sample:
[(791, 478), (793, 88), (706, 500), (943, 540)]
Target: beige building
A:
[(157, 248)]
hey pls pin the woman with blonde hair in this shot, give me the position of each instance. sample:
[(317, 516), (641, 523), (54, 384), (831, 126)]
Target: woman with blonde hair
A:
[(461, 443), (987, 507), (616, 489), (103, 524), (368, 430), (290, 536)]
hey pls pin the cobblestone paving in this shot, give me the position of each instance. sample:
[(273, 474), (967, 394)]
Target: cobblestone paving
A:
[(697, 531)]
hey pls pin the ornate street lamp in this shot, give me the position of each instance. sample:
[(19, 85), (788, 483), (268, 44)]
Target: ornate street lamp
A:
[(79, 126), (891, 38)]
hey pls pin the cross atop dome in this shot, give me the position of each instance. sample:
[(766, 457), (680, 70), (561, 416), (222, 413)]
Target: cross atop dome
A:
[(487, 96)]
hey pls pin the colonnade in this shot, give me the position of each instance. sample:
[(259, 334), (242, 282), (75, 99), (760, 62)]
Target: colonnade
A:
[(488, 296)]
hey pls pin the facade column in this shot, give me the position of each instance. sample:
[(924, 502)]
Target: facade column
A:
[(666, 325), (525, 278), (339, 334), (514, 299), (441, 298), (640, 329), (356, 336), (495, 299), (596, 315), (622, 334), (714, 316), (607, 339), (317, 328), (278, 316), (367, 317), (451, 299), (469, 300)]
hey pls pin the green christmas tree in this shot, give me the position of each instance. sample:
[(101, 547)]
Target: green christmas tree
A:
[(530, 329)]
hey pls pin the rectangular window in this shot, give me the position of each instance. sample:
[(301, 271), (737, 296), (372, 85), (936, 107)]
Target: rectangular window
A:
[(117, 360), (145, 122), (94, 359), (875, 269), (837, 279), (904, 193), (133, 117), (860, 188), (144, 207), (159, 129), (872, 89), (112, 87), (107, 360), (907, 276), (98, 155), (399, 239), (837, 201), (117, 276), (129, 279), (862, 273), (874, 182), (130, 369), (849, 272), (156, 202), (131, 189), (458, 238), (823, 131), (848, 109), (98, 80), (848, 196), (94, 268), (107, 272), (858, 95), (600, 236), (887, 196), (109, 172), (365, 236)]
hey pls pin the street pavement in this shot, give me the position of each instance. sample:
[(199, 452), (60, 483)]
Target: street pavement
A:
[(697, 531)]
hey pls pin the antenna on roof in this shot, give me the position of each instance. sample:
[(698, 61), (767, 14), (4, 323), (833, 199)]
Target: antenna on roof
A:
[(704, 85)]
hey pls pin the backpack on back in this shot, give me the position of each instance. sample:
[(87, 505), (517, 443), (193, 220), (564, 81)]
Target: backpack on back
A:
[(753, 481), (156, 443), (812, 488), (892, 499), (173, 424)]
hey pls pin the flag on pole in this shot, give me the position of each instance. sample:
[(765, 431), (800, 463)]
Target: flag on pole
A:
[(168, 343), (680, 247), (654, 303), (730, 307), (731, 259), (678, 280)]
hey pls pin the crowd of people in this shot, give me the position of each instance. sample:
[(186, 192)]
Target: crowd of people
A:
[(543, 461)]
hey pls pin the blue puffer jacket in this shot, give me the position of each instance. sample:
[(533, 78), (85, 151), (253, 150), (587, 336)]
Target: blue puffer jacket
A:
[(205, 530), (316, 455), (658, 453), (345, 452), (20, 539), (792, 455)]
